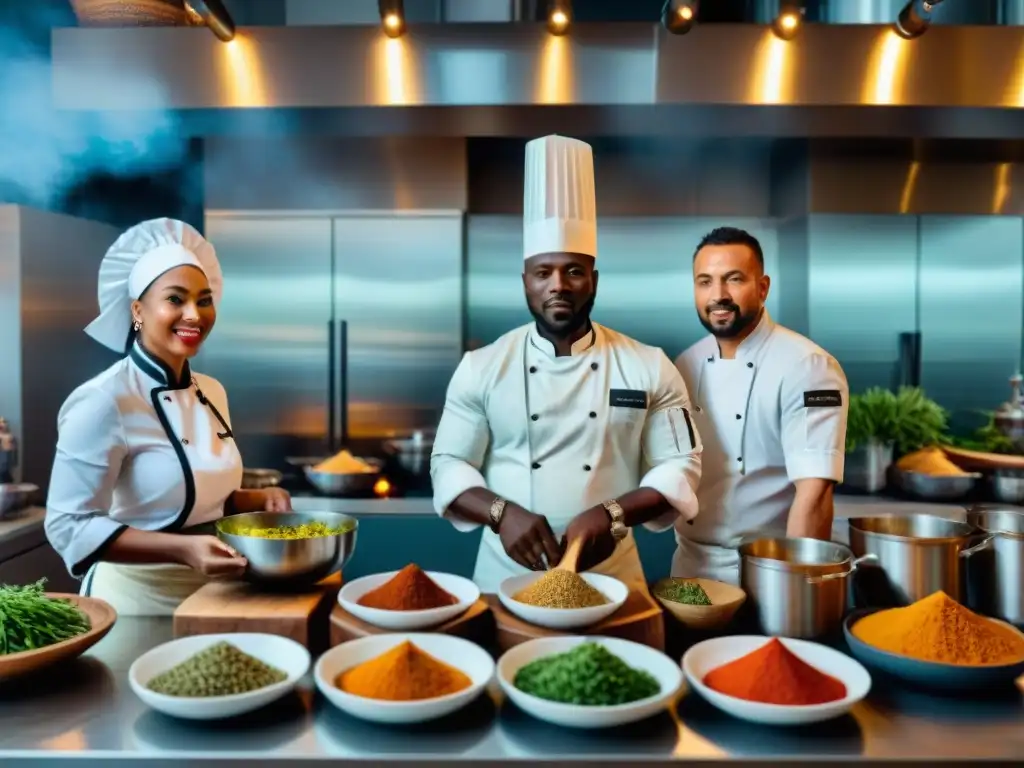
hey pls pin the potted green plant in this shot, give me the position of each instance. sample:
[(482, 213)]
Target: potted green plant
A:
[(882, 426)]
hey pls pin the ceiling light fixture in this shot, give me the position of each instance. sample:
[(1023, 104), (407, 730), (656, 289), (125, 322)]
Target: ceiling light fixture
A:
[(216, 17), (559, 16), (915, 18), (679, 16), (787, 23), (392, 17)]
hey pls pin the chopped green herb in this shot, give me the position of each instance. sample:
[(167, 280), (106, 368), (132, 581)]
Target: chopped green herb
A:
[(30, 620), (589, 675), (687, 592)]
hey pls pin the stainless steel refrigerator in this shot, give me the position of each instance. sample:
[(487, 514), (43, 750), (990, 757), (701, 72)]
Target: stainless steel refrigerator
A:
[(334, 327)]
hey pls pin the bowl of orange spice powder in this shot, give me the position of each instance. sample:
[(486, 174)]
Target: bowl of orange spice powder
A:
[(403, 677), (775, 681), (937, 643)]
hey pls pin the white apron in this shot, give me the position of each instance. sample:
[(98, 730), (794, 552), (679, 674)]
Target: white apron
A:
[(142, 590)]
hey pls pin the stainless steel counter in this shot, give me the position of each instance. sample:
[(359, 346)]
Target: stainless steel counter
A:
[(87, 712)]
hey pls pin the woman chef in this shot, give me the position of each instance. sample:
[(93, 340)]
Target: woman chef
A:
[(145, 449)]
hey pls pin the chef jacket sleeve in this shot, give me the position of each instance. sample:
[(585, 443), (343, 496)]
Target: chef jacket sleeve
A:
[(814, 401), (90, 450), (460, 444), (671, 447)]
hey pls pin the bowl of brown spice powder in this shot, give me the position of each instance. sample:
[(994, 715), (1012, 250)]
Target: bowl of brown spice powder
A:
[(408, 599)]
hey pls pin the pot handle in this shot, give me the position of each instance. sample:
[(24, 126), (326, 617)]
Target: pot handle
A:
[(983, 544), (869, 558)]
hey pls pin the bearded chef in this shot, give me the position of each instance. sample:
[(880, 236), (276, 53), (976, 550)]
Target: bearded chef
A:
[(563, 425), (145, 450), (771, 407)]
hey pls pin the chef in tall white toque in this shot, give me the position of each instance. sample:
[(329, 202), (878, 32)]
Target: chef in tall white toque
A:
[(562, 425), (145, 450), (771, 407)]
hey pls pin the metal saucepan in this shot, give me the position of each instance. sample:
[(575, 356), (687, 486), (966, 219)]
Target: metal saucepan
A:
[(996, 576), (339, 483), (797, 586), (917, 555), (260, 478)]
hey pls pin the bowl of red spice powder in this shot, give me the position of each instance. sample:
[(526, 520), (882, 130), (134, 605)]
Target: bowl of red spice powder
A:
[(408, 599), (775, 681)]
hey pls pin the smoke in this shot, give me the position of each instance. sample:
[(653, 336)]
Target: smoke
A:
[(47, 152)]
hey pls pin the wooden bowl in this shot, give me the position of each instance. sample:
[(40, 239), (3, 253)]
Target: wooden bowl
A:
[(725, 601), (101, 616)]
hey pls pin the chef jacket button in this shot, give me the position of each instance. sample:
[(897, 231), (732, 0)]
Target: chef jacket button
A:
[(167, 398), (750, 365), (593, 414), (535, 465), (535, 417), (593, 366), (533, 369), (739, 416), (586, 467), (711, 359), (184, 441), (739, 458)]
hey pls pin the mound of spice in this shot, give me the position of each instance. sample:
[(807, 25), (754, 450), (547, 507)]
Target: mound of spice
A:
[(560, 589), (408, 590), (775, 675), (404, 673), (937, 628), (220, 670), (589, 675), (686, 592)]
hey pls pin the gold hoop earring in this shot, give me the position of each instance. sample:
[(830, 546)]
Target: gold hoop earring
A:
[(136, 326)]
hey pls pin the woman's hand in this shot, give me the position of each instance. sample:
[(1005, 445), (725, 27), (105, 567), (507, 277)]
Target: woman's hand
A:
[(212, 557), (276, 500)]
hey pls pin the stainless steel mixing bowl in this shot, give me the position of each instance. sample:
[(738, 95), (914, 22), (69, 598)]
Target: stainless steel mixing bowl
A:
[(290, 562)]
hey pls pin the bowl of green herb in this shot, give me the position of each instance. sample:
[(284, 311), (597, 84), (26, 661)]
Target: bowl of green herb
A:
[(699, 603), (39, 628), (208, 677), (588, 682)]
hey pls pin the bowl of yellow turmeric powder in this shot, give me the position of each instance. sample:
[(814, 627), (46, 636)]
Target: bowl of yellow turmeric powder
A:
[(937, 643)]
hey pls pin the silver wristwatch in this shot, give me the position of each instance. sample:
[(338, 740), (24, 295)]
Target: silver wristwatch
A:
[(497, 511), (618, 516)]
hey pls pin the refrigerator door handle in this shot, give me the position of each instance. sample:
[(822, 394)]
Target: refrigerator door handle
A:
[(342, 387), (332, 388)]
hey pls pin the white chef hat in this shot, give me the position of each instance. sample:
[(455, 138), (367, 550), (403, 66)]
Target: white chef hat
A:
[(135, 260), (559, 203)]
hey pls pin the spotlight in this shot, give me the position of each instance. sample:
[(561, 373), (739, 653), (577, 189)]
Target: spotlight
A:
[(915, 18), (392, 17), (679, 16), (787, 23), (559, 16), (216, 17)]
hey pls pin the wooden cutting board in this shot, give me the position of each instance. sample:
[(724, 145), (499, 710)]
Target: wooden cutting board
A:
[(639, 619), (476, 625), (235, 606)]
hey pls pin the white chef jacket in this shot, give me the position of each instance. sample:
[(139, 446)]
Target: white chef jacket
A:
[(558, 435), (773, 415), (138, 448)]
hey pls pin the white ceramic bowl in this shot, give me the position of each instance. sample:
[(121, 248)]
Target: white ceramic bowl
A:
[(638, 656), (280, 652), (711, 654), (563, 618), (465, 590), (468, 657)]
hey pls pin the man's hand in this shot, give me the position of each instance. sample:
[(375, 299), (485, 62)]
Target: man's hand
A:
[(594, 529), (528, 538)]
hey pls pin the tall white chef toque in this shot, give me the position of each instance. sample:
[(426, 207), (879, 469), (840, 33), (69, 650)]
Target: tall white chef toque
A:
[(135, 260), (559, 203)]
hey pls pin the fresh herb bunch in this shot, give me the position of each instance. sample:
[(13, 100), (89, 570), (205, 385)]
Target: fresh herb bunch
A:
[(30, 620), (988, 439), (588, 675), (907, 419), (686, 592)]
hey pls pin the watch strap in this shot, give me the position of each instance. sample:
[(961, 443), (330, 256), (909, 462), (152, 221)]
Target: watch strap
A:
[(618, 518), (496, 512)]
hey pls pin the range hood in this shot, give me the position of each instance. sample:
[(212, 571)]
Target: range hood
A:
[(832, 80)]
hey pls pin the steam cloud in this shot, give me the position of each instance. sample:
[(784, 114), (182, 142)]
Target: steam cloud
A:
[(44, 152)]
